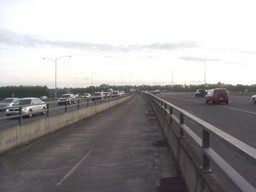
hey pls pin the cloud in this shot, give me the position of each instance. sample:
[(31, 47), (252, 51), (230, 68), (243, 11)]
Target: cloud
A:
[(17, 39), (234, 63), (11, 38), (197, 59), (171, 46)]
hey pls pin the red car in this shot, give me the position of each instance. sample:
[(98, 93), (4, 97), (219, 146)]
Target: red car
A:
[(217, 95)]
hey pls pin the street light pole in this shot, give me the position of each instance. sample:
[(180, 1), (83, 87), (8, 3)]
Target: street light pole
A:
[(204, 72), (171, 76), (55, 62), (92, 83)]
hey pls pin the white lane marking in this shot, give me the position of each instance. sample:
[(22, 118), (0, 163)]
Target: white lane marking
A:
[(240, 110), (69, 173)]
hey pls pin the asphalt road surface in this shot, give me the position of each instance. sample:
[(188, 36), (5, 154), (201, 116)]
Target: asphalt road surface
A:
[(54, 109), (112, 151), (238, 119)]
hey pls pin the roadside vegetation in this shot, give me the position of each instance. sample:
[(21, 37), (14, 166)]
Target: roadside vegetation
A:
[(38, 91)]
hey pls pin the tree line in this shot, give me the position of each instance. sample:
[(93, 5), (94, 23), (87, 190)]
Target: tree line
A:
[(23, 91), (37, 91)]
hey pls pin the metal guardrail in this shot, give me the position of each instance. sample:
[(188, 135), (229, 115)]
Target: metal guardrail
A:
[(208, 154), (80, 103)]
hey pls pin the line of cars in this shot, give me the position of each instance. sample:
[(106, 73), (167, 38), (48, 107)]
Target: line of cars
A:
[(70, 98), (33, 105), (103, 95)]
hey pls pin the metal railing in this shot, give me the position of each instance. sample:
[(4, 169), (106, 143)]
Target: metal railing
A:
[(207, 130)]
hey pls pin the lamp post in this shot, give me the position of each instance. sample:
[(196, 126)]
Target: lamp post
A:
[(171, 76), (204, 71), (55, 61), (92, 82), (130, 79)]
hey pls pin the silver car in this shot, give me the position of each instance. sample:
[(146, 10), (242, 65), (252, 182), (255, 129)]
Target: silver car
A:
[(254, 99), (7, 102), (97, 96), (68, 98), (86, 95), (29, 107)]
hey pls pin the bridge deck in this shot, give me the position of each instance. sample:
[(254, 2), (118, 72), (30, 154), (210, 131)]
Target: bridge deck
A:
[(120, 149)]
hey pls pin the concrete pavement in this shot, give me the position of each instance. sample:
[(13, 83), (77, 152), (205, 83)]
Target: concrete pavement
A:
[(120, 149)]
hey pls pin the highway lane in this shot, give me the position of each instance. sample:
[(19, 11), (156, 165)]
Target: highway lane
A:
[(54, 109), (238, 119)]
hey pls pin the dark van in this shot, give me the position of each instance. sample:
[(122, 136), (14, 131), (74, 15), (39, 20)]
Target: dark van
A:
[(200, 93)]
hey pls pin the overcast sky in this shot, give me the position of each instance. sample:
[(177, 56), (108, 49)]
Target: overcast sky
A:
[(127, 42)]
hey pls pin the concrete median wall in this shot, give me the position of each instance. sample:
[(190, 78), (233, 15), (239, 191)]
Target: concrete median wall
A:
[(24, 133)]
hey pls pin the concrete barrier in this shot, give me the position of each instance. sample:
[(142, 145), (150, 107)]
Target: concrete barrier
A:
[(24, 133)]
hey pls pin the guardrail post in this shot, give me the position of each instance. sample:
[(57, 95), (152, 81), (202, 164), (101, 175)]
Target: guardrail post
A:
[(161, 104), (47, 109), (157, 103), (171, 113), (66, 106), (20, 113), (206, 144), (165, 109), (78, 104), (182, 135)]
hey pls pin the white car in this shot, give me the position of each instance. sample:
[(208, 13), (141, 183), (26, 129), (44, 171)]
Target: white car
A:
[(86, 95), (116, 94), (7, 102), (97, 96), (29, 107), (254, 99), (67, 98)]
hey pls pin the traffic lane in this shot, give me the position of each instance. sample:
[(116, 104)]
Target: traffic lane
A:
[(54, 109), (11, 120), (237, 118), (111, 151), (2, 113)]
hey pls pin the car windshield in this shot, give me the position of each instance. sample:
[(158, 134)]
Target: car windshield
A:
[(65, 96), (23, 102), (7, 100), (220, 91)]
